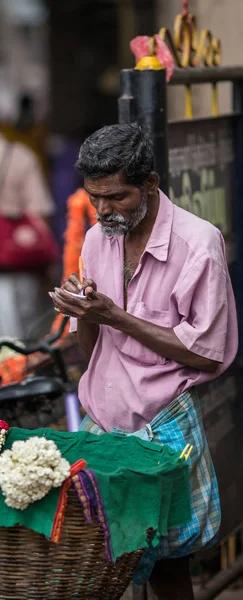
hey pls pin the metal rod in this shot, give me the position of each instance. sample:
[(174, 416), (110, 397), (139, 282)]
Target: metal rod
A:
[(126, 101), (72, 408), (221, 581), (192, 75)]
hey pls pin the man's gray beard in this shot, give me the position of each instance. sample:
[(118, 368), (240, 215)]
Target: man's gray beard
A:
[(124, 225)]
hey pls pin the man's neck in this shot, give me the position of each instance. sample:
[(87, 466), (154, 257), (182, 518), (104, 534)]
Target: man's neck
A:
[(143, 230)]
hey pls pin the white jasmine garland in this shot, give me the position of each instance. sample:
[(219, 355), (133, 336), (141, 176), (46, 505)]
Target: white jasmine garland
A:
[(2, 438), (29, 470)]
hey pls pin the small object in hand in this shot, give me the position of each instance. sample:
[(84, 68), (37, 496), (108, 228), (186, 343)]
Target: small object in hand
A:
[(80, 295), (81, 269)]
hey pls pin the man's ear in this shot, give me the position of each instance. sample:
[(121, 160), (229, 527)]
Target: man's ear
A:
[(152, 183)]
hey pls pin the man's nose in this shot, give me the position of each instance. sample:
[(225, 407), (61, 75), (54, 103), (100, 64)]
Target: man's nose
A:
[(104, 207)]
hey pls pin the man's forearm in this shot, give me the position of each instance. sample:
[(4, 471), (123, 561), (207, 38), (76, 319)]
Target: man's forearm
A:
[(87, 336), (161, 340)]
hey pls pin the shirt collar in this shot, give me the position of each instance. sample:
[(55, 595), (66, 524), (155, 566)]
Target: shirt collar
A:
[(158, 243)]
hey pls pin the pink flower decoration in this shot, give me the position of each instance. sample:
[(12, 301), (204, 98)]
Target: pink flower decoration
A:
[(4, 425), (164, 56), (140, 48)]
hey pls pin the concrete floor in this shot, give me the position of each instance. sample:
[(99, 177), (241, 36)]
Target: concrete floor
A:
[(230, 594)]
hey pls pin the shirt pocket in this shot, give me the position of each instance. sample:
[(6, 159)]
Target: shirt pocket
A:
[(134, 349)]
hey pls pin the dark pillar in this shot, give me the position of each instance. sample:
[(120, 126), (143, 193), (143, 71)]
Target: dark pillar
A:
[(150, 94), (143, 99), (238, 209)]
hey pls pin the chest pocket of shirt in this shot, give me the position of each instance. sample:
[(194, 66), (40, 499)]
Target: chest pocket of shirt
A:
[(134, 349)]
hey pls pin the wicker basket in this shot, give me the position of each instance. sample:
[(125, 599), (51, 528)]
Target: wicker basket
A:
[(33, 568)]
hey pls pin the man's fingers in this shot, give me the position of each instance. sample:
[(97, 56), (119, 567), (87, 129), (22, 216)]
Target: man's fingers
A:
[(74, 285), (78, 302), (89, 291), (75, 307), (62, 306), (70, 287), (89, 283), (75, 281)]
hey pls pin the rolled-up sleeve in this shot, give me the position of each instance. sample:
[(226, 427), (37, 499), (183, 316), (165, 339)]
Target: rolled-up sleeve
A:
[(203, 306)]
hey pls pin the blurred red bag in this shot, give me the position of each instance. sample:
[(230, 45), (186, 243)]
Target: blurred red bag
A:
[(26, 244)]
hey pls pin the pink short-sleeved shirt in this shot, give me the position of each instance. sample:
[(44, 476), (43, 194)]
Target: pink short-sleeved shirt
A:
[(182, 282)]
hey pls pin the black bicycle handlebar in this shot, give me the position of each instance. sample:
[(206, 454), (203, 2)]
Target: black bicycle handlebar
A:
[(43, 346)]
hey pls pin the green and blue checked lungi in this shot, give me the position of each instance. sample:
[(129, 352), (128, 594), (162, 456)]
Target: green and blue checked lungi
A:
[(180, 423)]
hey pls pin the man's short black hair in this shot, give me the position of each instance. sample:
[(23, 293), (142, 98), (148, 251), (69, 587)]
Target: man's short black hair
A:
[(117, 148)]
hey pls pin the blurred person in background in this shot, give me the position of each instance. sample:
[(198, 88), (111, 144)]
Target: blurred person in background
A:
[(24, 195), (26, 117), (27, 128)]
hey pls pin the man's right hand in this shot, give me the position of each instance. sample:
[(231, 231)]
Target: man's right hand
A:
[(87, 332), (74, 285)]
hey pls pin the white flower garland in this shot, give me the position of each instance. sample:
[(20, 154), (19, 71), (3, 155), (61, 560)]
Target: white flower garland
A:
[(29, 470), (3, 433)]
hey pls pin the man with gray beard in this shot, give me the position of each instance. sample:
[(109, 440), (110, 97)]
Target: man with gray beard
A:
[(158, 320), (118, 225)]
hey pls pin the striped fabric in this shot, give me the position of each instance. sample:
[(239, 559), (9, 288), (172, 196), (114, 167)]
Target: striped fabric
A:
[(177, 425)]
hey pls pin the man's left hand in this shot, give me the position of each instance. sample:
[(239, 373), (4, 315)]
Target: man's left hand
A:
[(98, 309)]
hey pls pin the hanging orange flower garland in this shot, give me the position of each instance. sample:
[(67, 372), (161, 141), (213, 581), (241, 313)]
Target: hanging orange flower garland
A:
[(80, 216)]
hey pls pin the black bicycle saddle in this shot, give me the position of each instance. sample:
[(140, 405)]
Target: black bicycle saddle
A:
[(31, 387)]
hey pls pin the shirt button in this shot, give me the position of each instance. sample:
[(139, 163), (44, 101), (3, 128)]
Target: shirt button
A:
[(109, 385)]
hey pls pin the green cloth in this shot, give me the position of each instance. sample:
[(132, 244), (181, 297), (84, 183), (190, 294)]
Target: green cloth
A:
[(142, 485)]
